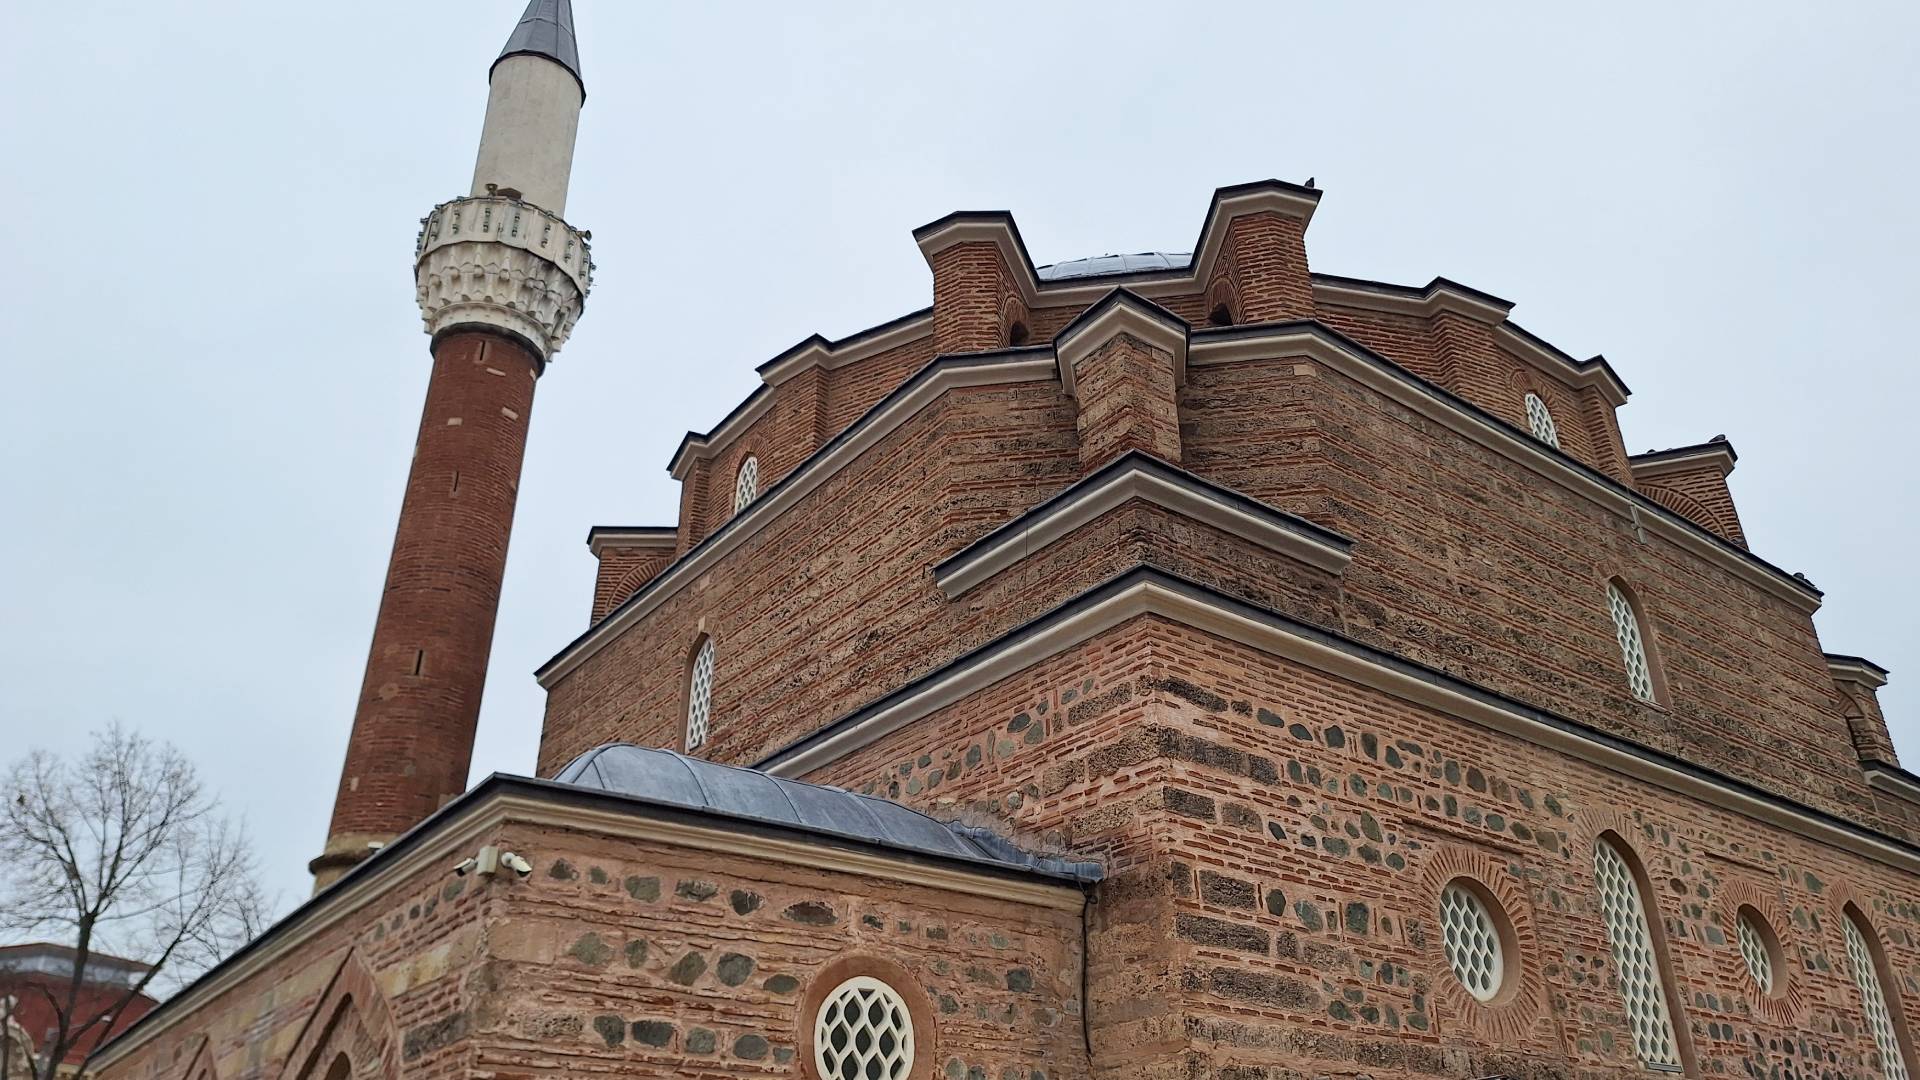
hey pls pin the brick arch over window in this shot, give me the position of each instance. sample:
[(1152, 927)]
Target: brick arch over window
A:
[(1222, 301), (1624, 835), (1851, 907), (350, 1021), (1016, 323)]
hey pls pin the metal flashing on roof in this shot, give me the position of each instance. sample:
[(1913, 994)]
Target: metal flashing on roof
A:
[(546, 30), (1144, 262), (749, 795)]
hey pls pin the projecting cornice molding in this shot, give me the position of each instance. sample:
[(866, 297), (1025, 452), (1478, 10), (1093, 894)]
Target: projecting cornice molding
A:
[(1716, 453), (1856, 669), (814, 351), (1439, 295), (1316, 341), (1148, 592), (1894, 780), (943, 374), (602, 538), (1206, 345), (1135, 475), (1122, 312)]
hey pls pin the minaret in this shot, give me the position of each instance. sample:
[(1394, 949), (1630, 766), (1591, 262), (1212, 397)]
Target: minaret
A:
[(501, 279)]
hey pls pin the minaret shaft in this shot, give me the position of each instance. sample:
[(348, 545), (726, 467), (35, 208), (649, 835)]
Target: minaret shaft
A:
[(501, 279)]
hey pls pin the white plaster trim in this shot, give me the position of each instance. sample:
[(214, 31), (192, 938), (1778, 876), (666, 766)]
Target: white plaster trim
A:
[(1554, 363), (838, 354), (1303, 340), (604, 539), (1713, 456), (1158, 330), (1154, 598), (1855, 672), (1137, 483), (1894, 784), (1027, 367), (1431, 301), (706, 446), (458, 834)]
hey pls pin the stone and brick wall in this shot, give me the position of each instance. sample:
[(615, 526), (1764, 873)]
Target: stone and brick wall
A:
[(1276, 840), (623, 958)]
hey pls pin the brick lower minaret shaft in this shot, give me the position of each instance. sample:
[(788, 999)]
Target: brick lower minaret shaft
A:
[(414, 723), (501, 278)]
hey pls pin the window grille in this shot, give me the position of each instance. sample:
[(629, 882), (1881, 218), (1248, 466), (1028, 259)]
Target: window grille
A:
[(863, 1032), (1472, 941), (1633, 648), (1633, 957), (1753, 949), (700, 696), (1879, 1020), (746, 484), (1541, 421)]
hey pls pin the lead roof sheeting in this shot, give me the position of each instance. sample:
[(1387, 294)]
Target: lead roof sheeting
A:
[(1105, 265), (547, 30), (664, 776)]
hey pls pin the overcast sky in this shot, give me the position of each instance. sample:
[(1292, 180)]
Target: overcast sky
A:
[(216, 367)]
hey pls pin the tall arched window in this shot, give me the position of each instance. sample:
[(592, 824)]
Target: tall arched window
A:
[(746, 484), (1633, 644), (1541, 421), (700, 695), (1636, 957), (1879, 1007)]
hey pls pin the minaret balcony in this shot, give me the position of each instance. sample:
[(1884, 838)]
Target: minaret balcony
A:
[(495, 261)]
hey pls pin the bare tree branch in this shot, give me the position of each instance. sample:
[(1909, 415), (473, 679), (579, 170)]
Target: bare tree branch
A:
[(121, 853)]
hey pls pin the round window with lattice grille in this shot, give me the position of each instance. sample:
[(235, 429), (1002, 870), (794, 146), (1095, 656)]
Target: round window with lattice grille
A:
[(864, 1032), (1471, 930)]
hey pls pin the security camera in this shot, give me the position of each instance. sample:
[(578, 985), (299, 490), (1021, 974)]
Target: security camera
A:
[(515, 863), (465, 866)]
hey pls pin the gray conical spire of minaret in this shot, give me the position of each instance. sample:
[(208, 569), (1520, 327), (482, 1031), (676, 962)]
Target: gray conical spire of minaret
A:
[(547, 30)]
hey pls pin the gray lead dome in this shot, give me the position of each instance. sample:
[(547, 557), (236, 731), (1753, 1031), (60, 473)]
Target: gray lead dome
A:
[(690, 783), (1143, 262)]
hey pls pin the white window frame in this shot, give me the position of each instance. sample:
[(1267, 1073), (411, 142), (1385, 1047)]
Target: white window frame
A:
[(1638, 966), (1540, 420), (746, 483), (1873, 997), (1470, 933), (700, 695), (1752, 937), (866, 992), (1631, 635)]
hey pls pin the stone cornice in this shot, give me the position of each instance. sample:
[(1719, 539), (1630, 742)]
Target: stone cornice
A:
[(1715, 454), (1894, 780), (943, 374), (815, 351), (499, 263), (1148, 592), (1328, 346), (1439, 295), (1121, 312), (1136, 475), (602, 538), (501, 799), (1856, 669)]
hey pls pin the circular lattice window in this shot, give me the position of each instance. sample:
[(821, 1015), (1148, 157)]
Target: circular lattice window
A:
[(1471, 934), (863, 1032)]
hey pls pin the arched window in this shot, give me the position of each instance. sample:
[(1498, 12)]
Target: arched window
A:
[(1541, 421), (1636, 957), (1221, 315), (1633, 644), (341, 1069), (746, 484), (700, 695), (1017, 334), (1880, 1008)]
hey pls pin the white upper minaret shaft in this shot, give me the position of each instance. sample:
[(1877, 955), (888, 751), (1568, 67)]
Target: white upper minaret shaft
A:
[(533, 110)]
